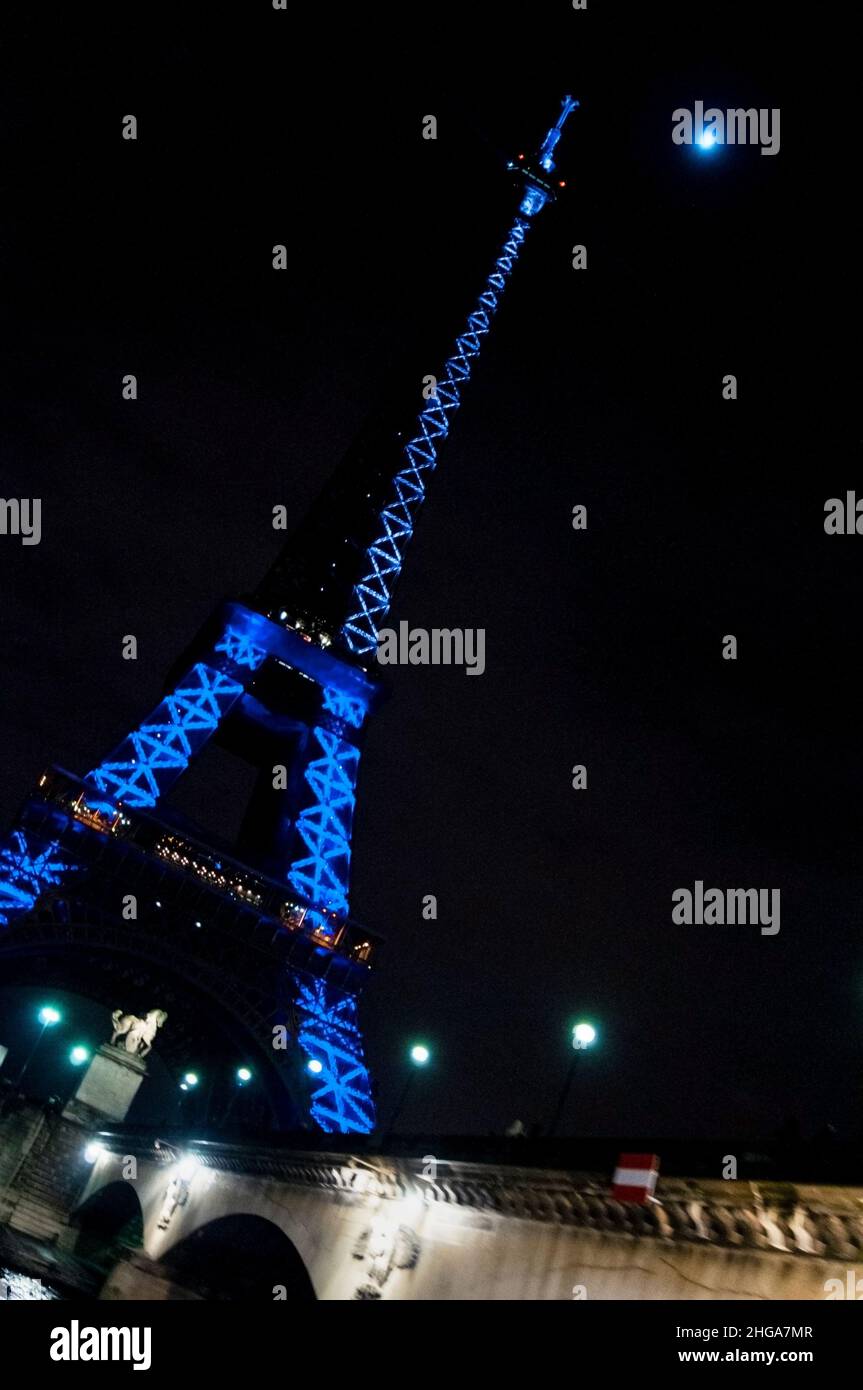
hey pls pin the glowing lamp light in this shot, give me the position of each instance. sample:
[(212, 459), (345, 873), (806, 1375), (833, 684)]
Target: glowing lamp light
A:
[(583, 1034), (49, 1016), (243, 1075), (94, 1151), (190, 1081), (707, 140), (79, 1055), (189, 1166), (420, 1055), (315, 1067)]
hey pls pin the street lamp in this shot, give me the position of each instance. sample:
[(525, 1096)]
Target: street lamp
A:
[(79, 1055), (48, 1017), (314, 1066), (242, 1077), (189, 1082), (420, 1056), (583, 1037)]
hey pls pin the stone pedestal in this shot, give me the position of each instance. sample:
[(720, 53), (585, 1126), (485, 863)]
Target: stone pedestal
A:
[(108, 1086)]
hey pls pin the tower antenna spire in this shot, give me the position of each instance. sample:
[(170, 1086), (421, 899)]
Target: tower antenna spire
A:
[(385, 555), (568, 105)]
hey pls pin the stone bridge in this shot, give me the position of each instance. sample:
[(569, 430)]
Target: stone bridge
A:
[(140, 1217), (225, 1221)]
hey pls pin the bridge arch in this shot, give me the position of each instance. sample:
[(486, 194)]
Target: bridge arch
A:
[(242, 1257), (108, 1225)]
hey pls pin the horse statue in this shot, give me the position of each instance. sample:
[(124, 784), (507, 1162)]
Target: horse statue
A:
[(138, 1032)]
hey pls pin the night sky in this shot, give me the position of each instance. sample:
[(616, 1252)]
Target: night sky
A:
[(600, 387)]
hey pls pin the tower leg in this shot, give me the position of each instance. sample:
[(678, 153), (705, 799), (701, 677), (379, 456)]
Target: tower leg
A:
[(329, 1034)]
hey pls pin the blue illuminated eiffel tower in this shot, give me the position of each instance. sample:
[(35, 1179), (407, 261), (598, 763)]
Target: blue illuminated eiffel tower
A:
[(235, 944)]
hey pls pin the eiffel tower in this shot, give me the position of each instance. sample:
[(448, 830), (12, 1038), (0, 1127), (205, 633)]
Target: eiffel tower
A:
[(108, 892)]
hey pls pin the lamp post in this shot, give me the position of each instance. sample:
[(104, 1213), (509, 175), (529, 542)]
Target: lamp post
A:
[(48, 1017), (242, 1077), (419, 1056), (188, 1084), (583, 1036)]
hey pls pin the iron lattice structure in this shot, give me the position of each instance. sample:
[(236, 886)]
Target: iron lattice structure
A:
[(281, 681), (385, 556)]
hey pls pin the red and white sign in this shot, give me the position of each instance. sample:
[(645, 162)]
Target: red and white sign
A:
[(635, 1177)]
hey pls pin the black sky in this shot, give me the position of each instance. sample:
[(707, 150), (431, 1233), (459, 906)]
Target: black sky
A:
[(600, 387)]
